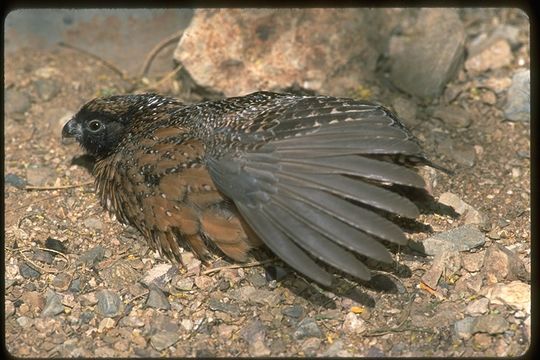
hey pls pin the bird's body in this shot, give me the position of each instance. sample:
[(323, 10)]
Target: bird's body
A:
[(302, 175)]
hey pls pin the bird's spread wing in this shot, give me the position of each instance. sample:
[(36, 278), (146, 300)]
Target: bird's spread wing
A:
[(294, 191)]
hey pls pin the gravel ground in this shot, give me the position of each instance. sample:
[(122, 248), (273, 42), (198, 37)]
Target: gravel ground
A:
[(77, 283)]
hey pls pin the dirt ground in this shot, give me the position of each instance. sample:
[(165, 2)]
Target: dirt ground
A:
[(106, 294)]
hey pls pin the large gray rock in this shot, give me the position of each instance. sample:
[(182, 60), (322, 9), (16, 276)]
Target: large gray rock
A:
[(427, 54), (238, 51)]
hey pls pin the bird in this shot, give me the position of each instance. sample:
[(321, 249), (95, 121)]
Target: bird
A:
[(312, 178)]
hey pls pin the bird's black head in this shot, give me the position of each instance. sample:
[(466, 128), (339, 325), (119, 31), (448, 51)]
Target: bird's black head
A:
[(102, 123)]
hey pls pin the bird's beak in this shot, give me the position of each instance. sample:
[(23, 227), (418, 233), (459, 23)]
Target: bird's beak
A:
[(72, 129)]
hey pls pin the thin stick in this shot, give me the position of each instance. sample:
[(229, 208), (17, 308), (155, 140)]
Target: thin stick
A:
[(255, 263), (168, 76), (105, 62), (152, 54), (58, 187)]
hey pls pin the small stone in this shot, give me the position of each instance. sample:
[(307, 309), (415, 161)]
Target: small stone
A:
[(53, 304), (187, 324), (15, 180), (75, 286), (43, 256), (307, 328), (109, 303), (464, 328), (192, 264), (453, 115), (334, 350), (164, 339), (491, 324), (494, 56), (34, 300), (444, 264), (311, 346), (204, 282), (93, 256), (61, 281), (16, 101), (354, 324), (515, 294), (93, 223), (500, 263), (9, 309), (134, 321), (462, 238), (296, 311), (518, 104), (106, 323), (406, 110), (258, 348), (473, 262), (478, 307), (40, 175), (228, 308), (157, 299), (482, 341), (25, 322), (183, 283), (257, 279), (254, 335), (160, 275), (46, 88), (28, 272), (275, 273), (89, 299), (488, 97), (56, 245)]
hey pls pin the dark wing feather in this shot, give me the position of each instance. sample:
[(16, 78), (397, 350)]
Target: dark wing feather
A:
[(293, 190)]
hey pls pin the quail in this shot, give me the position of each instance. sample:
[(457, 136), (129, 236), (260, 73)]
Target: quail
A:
[(310, 177)]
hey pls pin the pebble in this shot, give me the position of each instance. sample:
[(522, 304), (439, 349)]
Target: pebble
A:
[(15, 180), (86, 317), (93, 223), (493, 56), (464, 328), (157, 299), (453, 115), (228, 308), (491, 324), (187, 324), (296, 311), (477, 307), (160, 275), (192, 264), (311, 346), (257, 280), (109, 303), (335, 349), (473, 262), (164, 339), (501, 263), (406, 110), (93, 256), (515, 294), (46, 89), (275, 273), (53, 304), (28, 272), (9, 308), (254, 335), (16, 102), (106, 323), (56, 245), (307, 328), (25, 321), (204, 282), (75, 286), (43, 256), (463, 238), (447, 263), (61, 281), (354, 324), (518, 103), (38, 175), (134, 321), (183, 283), (470, 214)]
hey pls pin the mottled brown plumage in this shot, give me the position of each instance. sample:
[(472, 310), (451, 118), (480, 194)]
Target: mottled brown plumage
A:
[(302, 174)]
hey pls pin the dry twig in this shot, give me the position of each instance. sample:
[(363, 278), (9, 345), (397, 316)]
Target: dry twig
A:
[(153, 53), (58, 187), (252, 264)]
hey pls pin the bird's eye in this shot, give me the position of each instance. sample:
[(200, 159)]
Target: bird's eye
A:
[(95, 125)]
